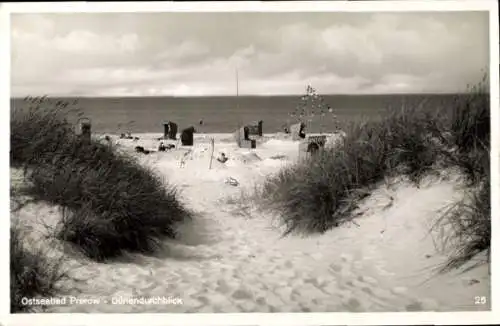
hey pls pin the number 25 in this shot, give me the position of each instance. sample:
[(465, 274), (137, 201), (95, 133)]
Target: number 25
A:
[(479, 300)]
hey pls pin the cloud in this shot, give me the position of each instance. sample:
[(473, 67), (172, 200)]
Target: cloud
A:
[(197, 53), (82, 42)]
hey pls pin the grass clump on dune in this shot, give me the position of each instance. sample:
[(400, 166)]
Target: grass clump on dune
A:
[(469, 220), (469, 223), (111, 202), (31, 273), (466, 131), (323, 192)]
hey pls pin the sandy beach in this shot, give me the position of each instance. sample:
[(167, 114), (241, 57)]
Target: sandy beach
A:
[(232, 256)]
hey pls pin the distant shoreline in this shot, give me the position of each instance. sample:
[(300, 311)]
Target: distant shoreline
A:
[(241, 96), (153, 135)]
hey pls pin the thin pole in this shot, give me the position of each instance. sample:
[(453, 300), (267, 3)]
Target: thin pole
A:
[(237, 90), (238, 104), (212, 141)]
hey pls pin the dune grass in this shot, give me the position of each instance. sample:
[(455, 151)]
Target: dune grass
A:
[(322, 192), (469, 220), (31, 273), (111, 203), (469, 229)]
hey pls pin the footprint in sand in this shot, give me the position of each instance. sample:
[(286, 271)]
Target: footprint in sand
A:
[(346, 258), (368, 280), (400, 290), (353, 305), (414, 306), (336, 268)]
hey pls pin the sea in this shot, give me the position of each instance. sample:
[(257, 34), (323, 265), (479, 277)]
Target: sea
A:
[(225, 114)]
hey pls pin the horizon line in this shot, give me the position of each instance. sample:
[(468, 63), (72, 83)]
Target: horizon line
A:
[(240, 95)]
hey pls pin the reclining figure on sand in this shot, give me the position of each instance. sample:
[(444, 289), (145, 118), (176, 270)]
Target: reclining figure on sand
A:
[(140, 149), (163, 148), (128, 136)]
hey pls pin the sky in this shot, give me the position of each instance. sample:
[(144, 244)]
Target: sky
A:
[(197, 54)]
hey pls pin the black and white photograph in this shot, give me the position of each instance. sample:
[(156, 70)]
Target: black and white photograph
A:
[(250, 161)]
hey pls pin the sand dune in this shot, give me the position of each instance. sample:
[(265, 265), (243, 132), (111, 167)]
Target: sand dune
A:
[(232, 258)]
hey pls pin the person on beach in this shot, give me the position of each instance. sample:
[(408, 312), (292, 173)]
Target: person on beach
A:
[(128, 135), (161, 147), (302, 132), (222, 158), (184, 158)]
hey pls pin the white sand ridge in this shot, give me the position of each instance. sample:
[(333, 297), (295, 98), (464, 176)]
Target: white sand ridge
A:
[(232, 258)]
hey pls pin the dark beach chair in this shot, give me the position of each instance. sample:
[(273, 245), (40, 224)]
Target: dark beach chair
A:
[(187, 137), (298, 131), (170, 130)]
